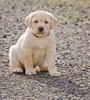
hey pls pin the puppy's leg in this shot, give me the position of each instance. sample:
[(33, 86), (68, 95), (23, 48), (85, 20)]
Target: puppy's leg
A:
[(28, 63), (15, 65), (51, 63)]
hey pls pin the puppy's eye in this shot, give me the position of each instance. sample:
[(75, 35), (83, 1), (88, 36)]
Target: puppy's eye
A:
[(46, 22), (36, 21)]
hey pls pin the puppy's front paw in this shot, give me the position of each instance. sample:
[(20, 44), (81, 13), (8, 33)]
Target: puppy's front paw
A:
[(31, 72), (16, 69), (55, 73)]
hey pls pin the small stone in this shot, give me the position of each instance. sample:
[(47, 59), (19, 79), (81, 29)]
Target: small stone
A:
[(4, 36), (14, 6)]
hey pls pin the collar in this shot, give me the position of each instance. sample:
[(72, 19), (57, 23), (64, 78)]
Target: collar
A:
[(39, 36)]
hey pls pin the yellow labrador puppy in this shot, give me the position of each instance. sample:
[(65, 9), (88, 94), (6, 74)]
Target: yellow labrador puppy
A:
[(35, 49)]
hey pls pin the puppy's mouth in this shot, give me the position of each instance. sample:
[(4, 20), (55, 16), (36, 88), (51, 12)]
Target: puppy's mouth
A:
[(41, 34)]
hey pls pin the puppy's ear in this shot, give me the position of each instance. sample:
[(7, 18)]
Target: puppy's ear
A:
[(28, 20), (54, 21)]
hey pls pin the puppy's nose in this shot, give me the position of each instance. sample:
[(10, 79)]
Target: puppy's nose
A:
[(40, 28)]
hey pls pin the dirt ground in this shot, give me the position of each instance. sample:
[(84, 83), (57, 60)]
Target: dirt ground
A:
[(72, 58)]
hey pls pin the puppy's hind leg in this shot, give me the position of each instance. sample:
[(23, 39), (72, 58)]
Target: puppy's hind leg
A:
[(15, 65)]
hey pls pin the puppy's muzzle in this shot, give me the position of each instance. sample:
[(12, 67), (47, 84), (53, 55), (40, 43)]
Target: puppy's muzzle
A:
[(40, 29)]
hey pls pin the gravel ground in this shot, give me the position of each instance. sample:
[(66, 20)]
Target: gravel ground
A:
[(72, 58)]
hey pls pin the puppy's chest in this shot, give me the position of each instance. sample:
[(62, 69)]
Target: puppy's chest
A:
[(38, 54)]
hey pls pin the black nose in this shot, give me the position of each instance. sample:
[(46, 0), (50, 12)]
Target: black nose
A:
[(40, 29)]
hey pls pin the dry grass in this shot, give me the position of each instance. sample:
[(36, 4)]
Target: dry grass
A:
[(81, 4)]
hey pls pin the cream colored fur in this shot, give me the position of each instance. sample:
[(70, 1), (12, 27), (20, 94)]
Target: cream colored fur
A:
[(35, 53)]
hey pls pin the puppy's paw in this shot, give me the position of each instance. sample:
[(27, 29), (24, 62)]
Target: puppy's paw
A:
[(31, 72), (37, 68), (16, 69), (55, 73)]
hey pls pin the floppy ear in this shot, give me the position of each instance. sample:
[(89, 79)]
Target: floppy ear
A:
[(54, 21), (28, 20)]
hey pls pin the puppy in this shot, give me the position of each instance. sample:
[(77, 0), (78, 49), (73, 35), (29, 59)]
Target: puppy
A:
[(35, 49)]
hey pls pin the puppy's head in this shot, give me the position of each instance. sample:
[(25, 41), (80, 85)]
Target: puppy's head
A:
[(41, 22)]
